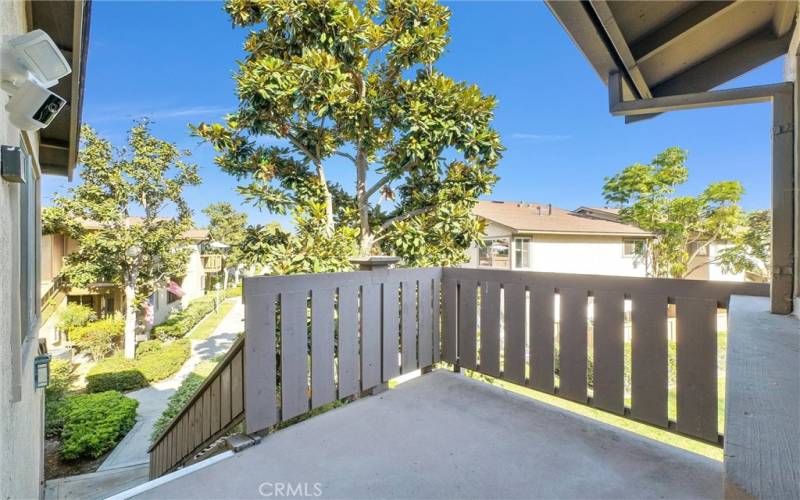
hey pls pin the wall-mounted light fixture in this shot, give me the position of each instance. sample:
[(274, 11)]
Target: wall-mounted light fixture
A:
[(41, 371), (12, 163)]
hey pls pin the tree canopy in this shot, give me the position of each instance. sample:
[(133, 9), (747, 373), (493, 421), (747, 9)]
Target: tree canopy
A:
[(147, 177), (683, 226), (229, 226), (356, 80)]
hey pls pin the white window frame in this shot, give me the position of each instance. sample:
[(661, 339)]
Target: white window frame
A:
[(488, 242), (635, 241), (525, 249)]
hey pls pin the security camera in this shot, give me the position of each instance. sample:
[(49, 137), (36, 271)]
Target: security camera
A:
[(29, 65)]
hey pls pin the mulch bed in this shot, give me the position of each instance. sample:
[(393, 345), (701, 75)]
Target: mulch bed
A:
[(54, 467)]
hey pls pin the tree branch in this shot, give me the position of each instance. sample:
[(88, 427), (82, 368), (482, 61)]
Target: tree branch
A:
[(419, 211), (375, 187), (345, 155)]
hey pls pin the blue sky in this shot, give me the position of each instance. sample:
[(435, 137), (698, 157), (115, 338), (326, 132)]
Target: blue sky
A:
[(174, 61)]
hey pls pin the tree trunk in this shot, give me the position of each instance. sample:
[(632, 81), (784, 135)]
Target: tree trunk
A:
[(224, 278), (130, 320), (365, 245)]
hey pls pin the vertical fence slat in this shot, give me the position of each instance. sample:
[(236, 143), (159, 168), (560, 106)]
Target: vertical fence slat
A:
[(348, 341), (425, 324), (467, 319), (237, 385), (696, 360), (225, 395), (323, 385), (391, 330), (514, 344), (294, 351), (450, 321), (259, 321), (572, 349), (408, 326), (490, 328), (542, 331), (649, 359), (437, 314), (609, 351), (370, 336), (215, 407), (206, 413)]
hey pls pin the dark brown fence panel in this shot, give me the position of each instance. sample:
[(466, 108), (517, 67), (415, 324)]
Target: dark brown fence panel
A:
[(467, 318), (323, 385), (542, 338), (514, 342), (609, 351), (649, 372), (348, 341), (572, 348), (205, 417), (490, 328), (696, 359), (391, 330)]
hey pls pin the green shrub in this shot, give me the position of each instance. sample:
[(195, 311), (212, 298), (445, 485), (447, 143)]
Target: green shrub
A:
[(158, 365), (148, 346), (95, 423), (61, 378), (179, 323), (176, 403), (74, 316), (99, 337), (116, 373)]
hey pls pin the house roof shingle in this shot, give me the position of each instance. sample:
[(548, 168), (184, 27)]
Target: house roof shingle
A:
[(524, 217)]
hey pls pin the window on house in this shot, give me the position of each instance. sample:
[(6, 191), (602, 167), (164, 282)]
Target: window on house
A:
[(29, 251), (693, 246), (522, 253), (632, 248), (494, 253)]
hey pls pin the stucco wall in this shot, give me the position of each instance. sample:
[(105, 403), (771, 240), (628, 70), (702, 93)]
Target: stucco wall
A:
[(583, 255), (193, 281), (21, 409)]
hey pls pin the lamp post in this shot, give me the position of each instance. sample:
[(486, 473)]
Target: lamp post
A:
[(217, 287)]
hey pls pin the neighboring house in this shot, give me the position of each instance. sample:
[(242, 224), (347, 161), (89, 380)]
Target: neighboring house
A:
[(541, 237), (106, 298), (48, 151), (588, 240)]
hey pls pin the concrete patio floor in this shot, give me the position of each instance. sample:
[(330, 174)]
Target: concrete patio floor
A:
[(443, 435)]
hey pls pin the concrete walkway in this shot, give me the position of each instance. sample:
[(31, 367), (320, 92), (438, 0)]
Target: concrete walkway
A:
[(132, 450), (97, 484)]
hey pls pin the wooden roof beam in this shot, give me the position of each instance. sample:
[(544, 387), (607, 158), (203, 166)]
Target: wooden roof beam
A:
[(666, 35), (606, 18)]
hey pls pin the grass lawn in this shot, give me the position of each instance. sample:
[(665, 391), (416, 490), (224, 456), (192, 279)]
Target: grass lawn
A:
[(210, 322)]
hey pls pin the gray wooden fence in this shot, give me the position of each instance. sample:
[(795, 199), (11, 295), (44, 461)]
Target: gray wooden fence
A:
[(532, 341), (316, 338)]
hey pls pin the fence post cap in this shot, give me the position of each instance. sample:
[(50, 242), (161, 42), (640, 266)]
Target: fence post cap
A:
[(374, 262)]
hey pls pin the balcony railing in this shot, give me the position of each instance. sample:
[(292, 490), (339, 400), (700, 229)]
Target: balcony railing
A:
[(314, 339)]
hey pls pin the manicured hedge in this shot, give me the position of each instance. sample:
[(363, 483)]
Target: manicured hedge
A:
[(117, 373), (179, 323), (159, 361), (148, 346), (95, 423), (160, 364), (176, 403)]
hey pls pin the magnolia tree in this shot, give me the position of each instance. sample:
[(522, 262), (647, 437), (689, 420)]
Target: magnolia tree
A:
[(137, 253), (683, 226), (356, 80)]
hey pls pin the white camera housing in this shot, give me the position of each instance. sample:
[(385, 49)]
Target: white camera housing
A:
[(29, 65)]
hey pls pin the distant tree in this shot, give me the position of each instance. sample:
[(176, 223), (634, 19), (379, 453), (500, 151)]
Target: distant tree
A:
[(357, 80), (750, 249), (228, 226), (683, 226), (148, 176), (74, 316)]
